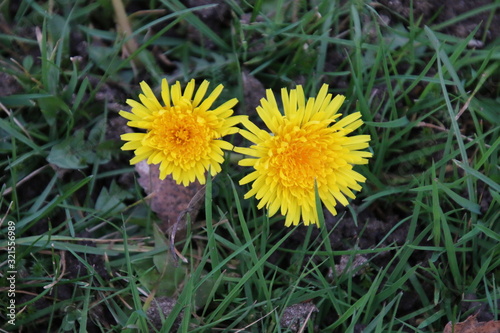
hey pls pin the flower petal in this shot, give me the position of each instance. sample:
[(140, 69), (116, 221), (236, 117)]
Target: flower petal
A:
[(207, 103)]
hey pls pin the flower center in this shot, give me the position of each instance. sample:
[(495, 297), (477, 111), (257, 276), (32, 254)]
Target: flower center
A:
[(183, 136), (297, 158)]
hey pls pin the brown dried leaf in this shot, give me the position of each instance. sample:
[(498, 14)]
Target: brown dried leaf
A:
[(169, 200), (296, 316), (253, 92), (471, 325), (348, 265), (160, 308)]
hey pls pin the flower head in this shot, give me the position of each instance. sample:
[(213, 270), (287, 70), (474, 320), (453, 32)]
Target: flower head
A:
[(307, 145), (183, 135)]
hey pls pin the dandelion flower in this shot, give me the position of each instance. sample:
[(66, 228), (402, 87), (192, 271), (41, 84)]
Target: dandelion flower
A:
[(183, 135), (306, 145)]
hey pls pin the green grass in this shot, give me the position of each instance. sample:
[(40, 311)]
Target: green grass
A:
[(89, 254)]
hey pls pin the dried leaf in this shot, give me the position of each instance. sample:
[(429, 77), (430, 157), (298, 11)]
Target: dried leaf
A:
[(253, 92), (296, 316), (160, 308), (171, 202), (471, 325), (349, 265)]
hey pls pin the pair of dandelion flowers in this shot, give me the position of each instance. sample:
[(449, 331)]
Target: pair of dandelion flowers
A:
[(305, 148)]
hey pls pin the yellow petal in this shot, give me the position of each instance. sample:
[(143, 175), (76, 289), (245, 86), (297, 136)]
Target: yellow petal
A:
[(175, 93), (165, 93), (334, 106), (189, 90), (347, 120), (139, 109), (247, 151), (129, 115), (301, 99), (223, 144), (132, 145), (202, 90), (207, 103), (152, 101), (132, 136), (224, 107)]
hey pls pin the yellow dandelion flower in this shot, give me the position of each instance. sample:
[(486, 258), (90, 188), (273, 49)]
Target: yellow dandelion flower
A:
[(183, 135), (305, 145)]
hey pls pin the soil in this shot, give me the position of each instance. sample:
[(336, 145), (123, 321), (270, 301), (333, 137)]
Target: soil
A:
[(432, 12), (372, 225)]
